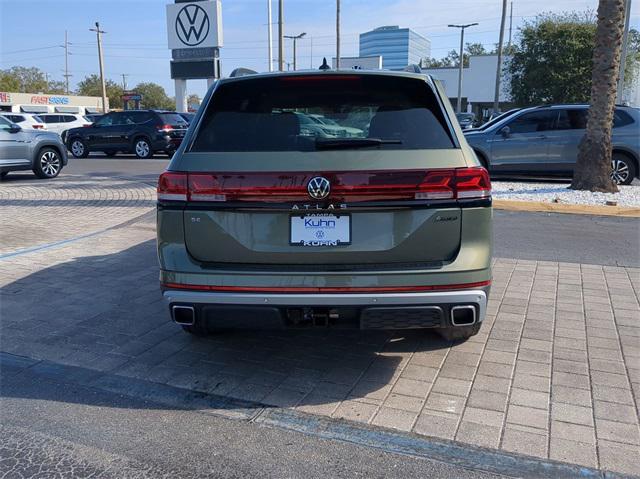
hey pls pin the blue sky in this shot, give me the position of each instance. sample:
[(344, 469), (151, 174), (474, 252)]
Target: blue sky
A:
[(136, 43)]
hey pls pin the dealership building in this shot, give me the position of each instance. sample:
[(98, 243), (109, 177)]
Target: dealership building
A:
[(41, 103), (397, 46)]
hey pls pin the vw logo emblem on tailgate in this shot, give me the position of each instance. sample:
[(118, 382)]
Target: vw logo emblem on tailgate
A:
[(318, 188), (192, 25)]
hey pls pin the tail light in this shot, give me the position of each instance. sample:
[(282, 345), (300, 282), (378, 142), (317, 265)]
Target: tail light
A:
[(165, 128), (38, 127), (172, 186), (87, 125), (437, 184), (473, 183)]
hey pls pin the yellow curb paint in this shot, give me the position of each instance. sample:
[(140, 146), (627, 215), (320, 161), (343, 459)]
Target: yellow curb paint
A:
[(539, 206)]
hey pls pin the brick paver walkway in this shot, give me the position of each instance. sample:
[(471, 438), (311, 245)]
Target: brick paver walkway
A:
[(554, 372)]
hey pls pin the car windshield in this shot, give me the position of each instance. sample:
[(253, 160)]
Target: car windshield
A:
[(289, 113)]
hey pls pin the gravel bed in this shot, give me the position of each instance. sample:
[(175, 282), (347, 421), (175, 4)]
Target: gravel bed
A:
[(629, 196)]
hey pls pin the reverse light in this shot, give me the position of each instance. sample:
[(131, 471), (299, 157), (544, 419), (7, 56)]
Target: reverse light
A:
[(473, 183)]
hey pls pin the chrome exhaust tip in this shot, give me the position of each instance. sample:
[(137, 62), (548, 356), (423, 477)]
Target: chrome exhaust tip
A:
[(464, 315), (183, 315)]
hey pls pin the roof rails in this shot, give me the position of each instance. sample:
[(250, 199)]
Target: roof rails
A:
[(241, 72)]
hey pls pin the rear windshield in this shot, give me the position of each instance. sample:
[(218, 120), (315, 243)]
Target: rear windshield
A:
[(297, 113), (172, 119)]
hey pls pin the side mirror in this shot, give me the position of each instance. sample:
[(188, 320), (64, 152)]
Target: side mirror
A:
[(14, 128), (505, 132)]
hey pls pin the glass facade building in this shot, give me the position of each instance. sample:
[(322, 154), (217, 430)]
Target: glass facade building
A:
[(398, 47)]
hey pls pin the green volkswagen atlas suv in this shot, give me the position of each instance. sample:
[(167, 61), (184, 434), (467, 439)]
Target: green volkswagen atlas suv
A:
[(264, 224)]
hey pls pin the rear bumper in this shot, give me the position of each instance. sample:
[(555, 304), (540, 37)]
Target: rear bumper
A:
[(375, 311)]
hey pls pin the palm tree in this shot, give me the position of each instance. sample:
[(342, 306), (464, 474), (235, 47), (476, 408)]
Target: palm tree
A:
[(593, 168)]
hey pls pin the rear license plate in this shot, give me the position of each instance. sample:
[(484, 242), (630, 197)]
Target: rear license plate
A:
[(320, 230)]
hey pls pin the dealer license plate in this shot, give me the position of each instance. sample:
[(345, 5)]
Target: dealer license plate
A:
[(320, 229)]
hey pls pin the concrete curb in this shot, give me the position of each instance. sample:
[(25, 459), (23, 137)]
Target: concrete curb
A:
[(539, 206), (388, 440)]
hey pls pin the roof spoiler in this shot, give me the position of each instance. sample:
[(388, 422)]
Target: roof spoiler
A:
[(413, 68), (241, 72)]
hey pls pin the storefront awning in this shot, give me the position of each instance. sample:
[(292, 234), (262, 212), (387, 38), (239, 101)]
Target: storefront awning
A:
[(90, 109), (67, 109), (34, 109)]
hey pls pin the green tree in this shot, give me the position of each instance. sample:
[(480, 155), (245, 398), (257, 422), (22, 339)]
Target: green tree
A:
[(91, 86), (452, 59), (27, 79), (56, 87), (551, 61), (154, 96), (9, 82)]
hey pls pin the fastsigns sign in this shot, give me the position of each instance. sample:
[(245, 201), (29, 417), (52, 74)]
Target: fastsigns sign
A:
[(194, 25)]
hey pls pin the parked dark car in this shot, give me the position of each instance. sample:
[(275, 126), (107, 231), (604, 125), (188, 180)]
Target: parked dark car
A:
[(93, 117), (143, 132), (188, 117), (543, 141)]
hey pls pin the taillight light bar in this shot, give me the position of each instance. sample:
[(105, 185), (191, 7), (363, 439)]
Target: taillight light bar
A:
[(436, 184)]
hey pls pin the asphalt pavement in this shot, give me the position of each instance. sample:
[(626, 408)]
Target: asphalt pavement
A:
[(54, 429)]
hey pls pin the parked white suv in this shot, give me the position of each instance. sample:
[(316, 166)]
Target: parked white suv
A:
[(27, 121), (61, 122)]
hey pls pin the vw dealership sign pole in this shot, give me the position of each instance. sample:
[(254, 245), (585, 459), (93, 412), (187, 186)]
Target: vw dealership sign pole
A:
[(194, 33)]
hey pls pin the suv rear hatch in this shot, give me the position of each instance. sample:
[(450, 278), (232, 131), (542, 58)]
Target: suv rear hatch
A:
[(256, 191)]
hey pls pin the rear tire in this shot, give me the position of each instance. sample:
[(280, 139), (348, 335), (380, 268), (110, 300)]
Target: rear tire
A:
[(623, 169), (459, 333)]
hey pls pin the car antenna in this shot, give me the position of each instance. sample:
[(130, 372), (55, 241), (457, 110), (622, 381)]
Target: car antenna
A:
[(325, 65)]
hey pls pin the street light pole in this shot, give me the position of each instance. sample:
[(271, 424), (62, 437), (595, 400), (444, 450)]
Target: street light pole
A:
[(461, 62), (295, 38), (337, 34), (104, 88), (270, 35), (625, 47), (496, 94), (280, 35)]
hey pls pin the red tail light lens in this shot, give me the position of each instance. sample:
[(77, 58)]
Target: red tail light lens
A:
[(38, 127), (172, 186), (473, 183), (438, 184), (165, 128)]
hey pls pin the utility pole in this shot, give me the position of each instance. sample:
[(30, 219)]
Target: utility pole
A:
[(337, 34), (625, 47), (124, 81), (280, 35), (295, 38), (496, 94), (270, 35), (311, 61), (104, 88), (510, 26), (461, 62), (66, 62)]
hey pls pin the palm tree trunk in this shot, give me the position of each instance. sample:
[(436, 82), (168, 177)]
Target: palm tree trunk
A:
[(593, 168)]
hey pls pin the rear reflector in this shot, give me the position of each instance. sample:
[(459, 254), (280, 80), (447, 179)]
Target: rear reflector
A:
[(353, 186), (293, 290)]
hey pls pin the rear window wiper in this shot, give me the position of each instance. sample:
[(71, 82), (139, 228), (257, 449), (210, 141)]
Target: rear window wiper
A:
[(346, 143)]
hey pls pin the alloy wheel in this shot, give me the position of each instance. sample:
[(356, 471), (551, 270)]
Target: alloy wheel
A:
[(50, 163), (619, 171), (142, 148), (77, 148)]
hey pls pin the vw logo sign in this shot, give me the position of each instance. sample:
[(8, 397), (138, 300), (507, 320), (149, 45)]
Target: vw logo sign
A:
[(318, 188), (192, 25)]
